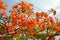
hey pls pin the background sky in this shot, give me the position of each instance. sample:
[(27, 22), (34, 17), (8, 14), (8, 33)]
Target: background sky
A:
[(39, 5)]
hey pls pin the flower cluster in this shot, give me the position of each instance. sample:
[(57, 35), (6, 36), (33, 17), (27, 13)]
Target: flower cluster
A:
[(23, 23)]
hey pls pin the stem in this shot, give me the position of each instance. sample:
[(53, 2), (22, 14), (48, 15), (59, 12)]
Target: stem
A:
[(4, 24), (38, 39)]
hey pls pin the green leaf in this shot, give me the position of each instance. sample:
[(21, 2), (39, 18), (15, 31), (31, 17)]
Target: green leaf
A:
[(25, 29), (10, 37), (30, 37), (37, 29), (1, 28), (43, 39), (22, 38), (25, 37), (19, 38), (41, 36), (51, 28)]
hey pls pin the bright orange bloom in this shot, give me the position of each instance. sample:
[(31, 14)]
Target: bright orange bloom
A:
[(27, 7), (58, 23), (13, 12), (3, 12), (21, 16), (57, 30), (31, 21), (24, 20), (3, 6), (24, 23), (38, 14), (23, 5), (30, 29), (1, 2), (45, 14), (11, 27), (45, 19)]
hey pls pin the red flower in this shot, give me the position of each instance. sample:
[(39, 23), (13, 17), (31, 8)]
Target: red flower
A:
[(51, 19), (54, 11)]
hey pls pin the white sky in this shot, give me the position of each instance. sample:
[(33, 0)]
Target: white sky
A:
[(44, 5)]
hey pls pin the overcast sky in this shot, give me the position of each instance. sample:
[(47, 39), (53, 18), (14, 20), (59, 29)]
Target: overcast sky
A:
[(39, 5)]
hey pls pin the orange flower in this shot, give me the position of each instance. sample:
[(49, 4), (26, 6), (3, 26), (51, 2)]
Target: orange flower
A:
[(40, 22), (27, 7), (1, 2), (42, 26), (13, 12), (30, 29), (21, 16), (45, 14), (38, 14), (58, 24), (24, 23), (57, 29), (31, 21), (3, 12), (3, 6), (11, 28), (14, 17), (45, 19), (42, 13), (23, 5), (18, 17)]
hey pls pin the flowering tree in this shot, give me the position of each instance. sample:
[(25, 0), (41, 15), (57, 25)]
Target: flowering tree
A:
[(24, 23)]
